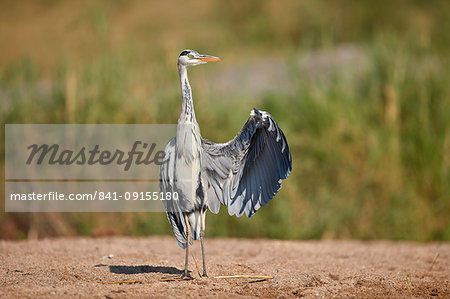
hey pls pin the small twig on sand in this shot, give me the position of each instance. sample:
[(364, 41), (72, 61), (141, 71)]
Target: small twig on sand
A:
[(196, 266), (67, 272), (259, 278), (244, 276), (434, 260), (171, 279), (123, 281), (409, 287)]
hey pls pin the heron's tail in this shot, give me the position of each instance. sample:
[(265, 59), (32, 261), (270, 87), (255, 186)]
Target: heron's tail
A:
[(180, 228)]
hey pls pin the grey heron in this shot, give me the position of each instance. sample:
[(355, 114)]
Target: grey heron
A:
[(243, 174)]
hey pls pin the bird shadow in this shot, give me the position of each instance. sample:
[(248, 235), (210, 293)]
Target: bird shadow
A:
[(143, 269)]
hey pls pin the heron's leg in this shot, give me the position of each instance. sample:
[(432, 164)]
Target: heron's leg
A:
[(186, 274), (202, 234)]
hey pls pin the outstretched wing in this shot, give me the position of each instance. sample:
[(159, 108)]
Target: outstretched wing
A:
[(246, 172), (166, 184)]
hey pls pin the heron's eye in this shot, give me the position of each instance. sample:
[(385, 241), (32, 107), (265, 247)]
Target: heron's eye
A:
[(191, 56)]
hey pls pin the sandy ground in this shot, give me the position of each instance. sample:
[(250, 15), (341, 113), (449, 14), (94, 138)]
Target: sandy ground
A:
[(324, 269)]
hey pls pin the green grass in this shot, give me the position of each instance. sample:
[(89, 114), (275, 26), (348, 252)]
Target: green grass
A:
[(370, 145)]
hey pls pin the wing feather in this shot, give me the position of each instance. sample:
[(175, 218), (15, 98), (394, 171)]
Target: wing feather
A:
[(166, 184), (245, 173)]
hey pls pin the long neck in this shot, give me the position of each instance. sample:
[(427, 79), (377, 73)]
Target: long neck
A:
[(188, 133), (187, 114)]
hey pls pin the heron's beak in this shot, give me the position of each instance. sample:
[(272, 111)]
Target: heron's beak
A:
[(208, 58)]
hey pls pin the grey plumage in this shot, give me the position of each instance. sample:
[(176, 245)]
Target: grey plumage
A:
[(243, 174)]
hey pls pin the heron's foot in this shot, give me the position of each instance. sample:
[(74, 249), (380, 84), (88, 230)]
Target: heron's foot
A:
[(186, 276), (204, 274)]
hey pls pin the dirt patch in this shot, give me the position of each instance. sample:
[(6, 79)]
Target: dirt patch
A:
[(299, 268)]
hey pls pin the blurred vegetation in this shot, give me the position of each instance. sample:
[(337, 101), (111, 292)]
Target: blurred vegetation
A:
[(360, 88)]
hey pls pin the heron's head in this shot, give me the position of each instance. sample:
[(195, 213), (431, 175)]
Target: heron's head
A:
[(190, 57)]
